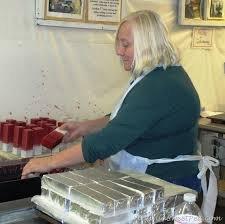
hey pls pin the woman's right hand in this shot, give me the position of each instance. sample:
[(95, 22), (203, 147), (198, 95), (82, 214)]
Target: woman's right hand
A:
[(76, 129), (37, 165)]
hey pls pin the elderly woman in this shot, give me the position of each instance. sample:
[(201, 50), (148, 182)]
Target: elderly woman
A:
[(157, 117)]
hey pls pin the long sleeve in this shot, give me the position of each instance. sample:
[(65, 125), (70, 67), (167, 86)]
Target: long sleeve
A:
[(161, 105)]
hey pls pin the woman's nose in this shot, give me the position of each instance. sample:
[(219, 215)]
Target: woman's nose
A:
[(120, 51)]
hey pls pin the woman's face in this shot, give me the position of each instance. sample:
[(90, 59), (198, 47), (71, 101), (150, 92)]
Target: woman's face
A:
[(125, 45)]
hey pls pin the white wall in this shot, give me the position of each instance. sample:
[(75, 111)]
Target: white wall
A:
[(74, 73)]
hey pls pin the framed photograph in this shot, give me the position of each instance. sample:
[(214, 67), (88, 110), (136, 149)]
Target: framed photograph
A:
[(201, 12), (97, 14), (66, 10), (216, 10)]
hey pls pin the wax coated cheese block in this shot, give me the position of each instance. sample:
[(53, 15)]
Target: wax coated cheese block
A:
[(21, 123), (8, 130), (38, 135), (1, 130), (11, 121), (27, 139), (17, 138), (53, 138), (34, 120)]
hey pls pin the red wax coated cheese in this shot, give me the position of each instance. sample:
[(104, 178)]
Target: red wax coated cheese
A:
[(1, 130), (38, 135), (34, 120), (17, 138), (52, 139), (31, 126), (20, 123), (52, 121), (44, 118), (11, 121), (27, 139), (8, 130)]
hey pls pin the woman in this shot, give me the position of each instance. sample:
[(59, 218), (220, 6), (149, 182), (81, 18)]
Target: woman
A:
[(156, 118)]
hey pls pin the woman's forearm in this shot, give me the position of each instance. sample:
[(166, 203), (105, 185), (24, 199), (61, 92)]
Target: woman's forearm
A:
[(97, 124), (68, 157), (65, 158)]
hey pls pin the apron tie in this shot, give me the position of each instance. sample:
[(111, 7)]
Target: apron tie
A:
[(124, 161), (209, 194)]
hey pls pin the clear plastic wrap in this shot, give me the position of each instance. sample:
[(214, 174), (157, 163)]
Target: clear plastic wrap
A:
[(148, 195), (121, 201), (58, 183), (77, 214), (158, 190), (135, 199), (98, 174), (78, 178), (97, 196), (93, 200)]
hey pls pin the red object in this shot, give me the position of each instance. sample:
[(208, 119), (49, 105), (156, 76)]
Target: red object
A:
[(52, 121), (21, 123), (11, 121), (38, 135), (8, 130), (42, 123), (31, 126), (34, 120), (1, 130), (27, 139), (52, 139), (43, 118), (49, 127), (17, 138)]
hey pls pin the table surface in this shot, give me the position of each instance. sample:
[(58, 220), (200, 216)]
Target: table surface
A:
[(205, 124), (20, 212)]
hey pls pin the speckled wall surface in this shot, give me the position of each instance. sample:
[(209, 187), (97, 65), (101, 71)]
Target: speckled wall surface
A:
[(69, 73)]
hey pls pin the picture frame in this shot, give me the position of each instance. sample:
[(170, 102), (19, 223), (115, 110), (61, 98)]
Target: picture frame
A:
[(201, 12), (91, 14), (216, 10), (66, 10), (202, 37)]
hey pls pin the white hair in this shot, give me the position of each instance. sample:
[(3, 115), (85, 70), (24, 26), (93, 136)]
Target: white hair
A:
[(152, 46)]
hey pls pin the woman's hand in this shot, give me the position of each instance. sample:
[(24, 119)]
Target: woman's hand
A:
[(76, 129), (37, 165), (66, 158)]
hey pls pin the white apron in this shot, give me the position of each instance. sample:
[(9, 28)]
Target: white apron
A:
[(124, 161)]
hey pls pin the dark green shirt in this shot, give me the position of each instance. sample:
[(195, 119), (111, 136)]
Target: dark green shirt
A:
[(158, 119)]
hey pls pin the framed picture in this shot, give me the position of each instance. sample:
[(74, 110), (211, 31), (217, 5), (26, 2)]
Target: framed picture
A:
[(216, 10), (201, 12), (202, 37), (66, 10), (97, 14)]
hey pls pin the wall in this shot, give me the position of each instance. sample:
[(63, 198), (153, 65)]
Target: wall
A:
[(69, 73)]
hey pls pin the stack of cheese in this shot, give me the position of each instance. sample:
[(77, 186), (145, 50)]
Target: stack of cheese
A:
[(24, 139), (95, 195)]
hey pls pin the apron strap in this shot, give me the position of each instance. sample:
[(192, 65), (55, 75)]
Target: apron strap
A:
[(210, 193)]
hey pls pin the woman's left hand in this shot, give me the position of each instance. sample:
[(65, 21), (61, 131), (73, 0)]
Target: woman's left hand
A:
[(37, 165)]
